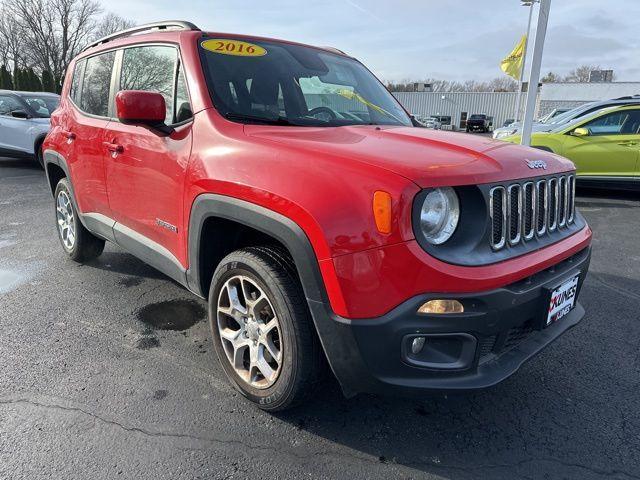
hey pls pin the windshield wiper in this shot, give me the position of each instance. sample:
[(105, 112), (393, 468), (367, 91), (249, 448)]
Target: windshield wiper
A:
[(258, 119)]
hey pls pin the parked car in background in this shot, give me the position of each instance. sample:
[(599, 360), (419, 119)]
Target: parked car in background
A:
[(566, 117), (479, 122), (552, 114), (379, 248), (605, 146), (432, 122), (24, 122), (419, 120)]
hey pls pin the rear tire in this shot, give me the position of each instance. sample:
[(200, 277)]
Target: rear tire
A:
[(78, 242), (275, 372)]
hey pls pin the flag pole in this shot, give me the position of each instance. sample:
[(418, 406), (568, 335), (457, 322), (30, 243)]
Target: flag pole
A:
[(516, 116), (534, 72)]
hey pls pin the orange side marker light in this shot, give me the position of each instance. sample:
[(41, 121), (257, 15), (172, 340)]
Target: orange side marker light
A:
[(382, 211)]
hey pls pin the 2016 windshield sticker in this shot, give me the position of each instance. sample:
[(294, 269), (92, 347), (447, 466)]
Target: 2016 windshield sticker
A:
[(237, 48)]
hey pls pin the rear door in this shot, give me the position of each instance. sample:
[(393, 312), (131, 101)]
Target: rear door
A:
[(84, 127), (146, 177), (612, 148)]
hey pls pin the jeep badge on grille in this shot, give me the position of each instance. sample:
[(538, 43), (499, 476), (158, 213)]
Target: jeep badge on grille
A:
[(533, 164)]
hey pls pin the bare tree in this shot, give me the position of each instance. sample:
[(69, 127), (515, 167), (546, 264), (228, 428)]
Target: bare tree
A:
[(551, 77), (54, 31), (12, 51), (501, 84), (111, 23), (581, 74)]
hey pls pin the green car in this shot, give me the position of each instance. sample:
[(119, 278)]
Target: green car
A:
[(605, 146)]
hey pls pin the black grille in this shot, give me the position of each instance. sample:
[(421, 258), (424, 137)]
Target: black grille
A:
[(515, 214), (529, 210), (542, 207), (517, 335), (563, 198), (486, 345), (571, 193), (498, 217), (520, 212), (553, 204)]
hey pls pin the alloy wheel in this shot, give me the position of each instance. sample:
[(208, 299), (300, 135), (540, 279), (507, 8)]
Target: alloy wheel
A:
[(65, 217), (250, 332)]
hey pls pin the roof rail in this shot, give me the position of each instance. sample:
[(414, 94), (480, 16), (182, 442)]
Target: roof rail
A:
[(628, 97), (177, 24), (334, 50)]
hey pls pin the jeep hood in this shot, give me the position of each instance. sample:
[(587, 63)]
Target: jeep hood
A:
[(429, 158)]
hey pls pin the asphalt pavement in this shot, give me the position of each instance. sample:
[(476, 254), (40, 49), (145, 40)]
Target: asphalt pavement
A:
[(107, 371)]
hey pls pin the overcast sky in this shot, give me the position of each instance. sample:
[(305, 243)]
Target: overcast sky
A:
[(402, 39)]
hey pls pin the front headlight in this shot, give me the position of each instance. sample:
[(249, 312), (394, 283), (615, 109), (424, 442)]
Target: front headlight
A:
[(439, 215)]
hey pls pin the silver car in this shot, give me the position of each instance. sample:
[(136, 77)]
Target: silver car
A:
[(24, 122)]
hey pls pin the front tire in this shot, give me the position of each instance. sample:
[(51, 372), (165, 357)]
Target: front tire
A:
[(78, 242), (262, 329), (40, 155)]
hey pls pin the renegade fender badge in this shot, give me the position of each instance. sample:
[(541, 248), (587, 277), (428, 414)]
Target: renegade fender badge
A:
[(533, 164), (167, 225)]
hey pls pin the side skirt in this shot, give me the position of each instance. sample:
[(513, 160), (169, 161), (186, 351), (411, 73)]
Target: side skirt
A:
[(138, 245)]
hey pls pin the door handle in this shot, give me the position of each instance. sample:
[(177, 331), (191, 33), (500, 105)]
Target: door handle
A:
[(69, 135), (628, 143), (114, 147)]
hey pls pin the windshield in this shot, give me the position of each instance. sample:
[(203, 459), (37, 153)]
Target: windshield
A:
[(566, 116), (477, 117), (42, 105), (277, 83)]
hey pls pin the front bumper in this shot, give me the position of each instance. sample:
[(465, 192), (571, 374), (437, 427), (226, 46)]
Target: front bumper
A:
[(499, 331)]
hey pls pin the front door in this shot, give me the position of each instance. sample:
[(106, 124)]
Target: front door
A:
[(612, 148), (145, 176), (15, 133)]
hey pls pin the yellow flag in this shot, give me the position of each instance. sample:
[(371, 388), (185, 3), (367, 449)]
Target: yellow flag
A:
[(512, 64)]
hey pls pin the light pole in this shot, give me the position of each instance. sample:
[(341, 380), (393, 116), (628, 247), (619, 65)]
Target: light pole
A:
[(528, 3), (534, 73)]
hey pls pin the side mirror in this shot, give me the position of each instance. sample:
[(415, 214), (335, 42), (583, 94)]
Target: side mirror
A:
[(20, 114), (581, 132), (143, 108)]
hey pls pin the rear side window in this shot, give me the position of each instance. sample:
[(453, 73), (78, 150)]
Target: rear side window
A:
[(94, 98), (153, 69), (75, 82)]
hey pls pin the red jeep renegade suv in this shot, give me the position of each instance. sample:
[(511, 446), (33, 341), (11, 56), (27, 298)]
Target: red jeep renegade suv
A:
[(286, 185)]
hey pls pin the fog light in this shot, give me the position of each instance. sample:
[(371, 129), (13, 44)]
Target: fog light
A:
[(442, 306), (417, 345)]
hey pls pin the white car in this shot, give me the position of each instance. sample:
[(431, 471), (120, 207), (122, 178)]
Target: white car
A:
[(432, 122), (428, 122), (24, 122)]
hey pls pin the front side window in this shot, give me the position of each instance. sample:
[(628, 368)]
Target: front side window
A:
[(183, 105), (10, 104), (94, 98), (625, 122), (278, 83), (151, 68)]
